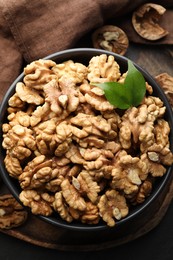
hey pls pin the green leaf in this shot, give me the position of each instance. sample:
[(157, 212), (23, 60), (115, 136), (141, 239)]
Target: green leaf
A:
[(127, 94)]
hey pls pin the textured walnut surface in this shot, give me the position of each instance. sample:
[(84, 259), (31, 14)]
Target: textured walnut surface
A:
[(12, 214), (76, 155), (166, 82)]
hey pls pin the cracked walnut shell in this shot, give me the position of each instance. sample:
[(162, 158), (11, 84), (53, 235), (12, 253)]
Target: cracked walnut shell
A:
[(145, 21), (110, 38)]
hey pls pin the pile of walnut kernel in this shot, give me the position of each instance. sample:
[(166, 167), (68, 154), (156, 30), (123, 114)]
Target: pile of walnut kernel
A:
[(72, 152)]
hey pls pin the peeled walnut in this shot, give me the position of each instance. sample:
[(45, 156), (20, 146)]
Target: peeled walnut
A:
[(12, 213), (36, 173), (166, 82), (128, 173), (138, 123), (63, 97), (91, 214), (60, 206), (112, 206), (145, 21), (76, 72), (85, 184), (110, 38), (29, 95), (38, 73), (144, 191), (39, 203), (72, 196), (94, 100), (103, 68)]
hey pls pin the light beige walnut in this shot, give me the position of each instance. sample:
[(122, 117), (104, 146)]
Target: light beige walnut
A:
[(137, 124), (144, 191), (166, 82), (75, 71), (61, 207), (46, 129), (162, 131), (13, 166), (103, 68), (19, 135), (90, 124), (40, 204), (155, 169), (72, 196), (63, 138), (112, 206), (15, 104), (19, 118), (5, 128), (38, 73), (128, 173), (45, 137), (85, 184), (112, 118), (19, 141), (91, 214), (29, 95), (149, 88), (74, 155), (62, 96), (95, 158), (20, 152), (59, 173), (162, 153), (90, 141), (36, 173), (41, 113), (12, 214), (94, 98)]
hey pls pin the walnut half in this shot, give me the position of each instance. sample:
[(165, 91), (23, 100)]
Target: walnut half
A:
[(166, 82), (110, 38), (12, 214)]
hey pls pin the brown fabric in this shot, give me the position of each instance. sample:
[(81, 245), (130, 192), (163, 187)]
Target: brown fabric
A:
[(32, 29)]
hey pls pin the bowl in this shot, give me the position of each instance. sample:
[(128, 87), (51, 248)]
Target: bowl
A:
[(138, 215)]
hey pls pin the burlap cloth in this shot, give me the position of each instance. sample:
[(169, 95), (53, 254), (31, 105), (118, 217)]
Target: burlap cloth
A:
[(33, 29)]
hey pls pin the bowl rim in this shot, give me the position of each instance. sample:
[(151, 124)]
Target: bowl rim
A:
[(8, 180)]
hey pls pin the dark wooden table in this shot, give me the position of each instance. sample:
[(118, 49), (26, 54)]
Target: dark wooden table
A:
[(158, 243)]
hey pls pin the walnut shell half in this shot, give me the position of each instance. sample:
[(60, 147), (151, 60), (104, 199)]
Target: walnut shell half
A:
[(110, 38), (145, 21)]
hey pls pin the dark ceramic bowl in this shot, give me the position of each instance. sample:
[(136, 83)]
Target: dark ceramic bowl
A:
[(139, 215)]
